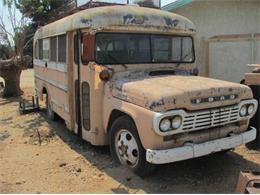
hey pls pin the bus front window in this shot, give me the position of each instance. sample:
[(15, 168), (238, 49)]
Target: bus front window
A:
[(115, 48)]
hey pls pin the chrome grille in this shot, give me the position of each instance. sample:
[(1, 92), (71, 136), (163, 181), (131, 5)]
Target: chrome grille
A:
[(210, 118)]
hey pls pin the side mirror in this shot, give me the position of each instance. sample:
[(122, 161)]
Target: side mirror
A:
[(88, 48)]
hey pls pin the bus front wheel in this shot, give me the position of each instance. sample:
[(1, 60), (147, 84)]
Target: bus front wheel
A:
[(126, 147)]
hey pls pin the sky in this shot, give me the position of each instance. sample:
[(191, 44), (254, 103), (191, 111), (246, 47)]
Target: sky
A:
[(5, 15)]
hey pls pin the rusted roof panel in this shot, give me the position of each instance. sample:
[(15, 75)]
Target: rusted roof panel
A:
[(122, 17)]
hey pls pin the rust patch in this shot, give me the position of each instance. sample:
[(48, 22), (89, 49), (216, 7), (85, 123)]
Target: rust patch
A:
[(163, 93), (171, 22), (157, 104), (119, 18), (131, 19), (86, 22)]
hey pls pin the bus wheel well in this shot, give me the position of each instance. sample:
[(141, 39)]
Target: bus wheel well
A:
[(115, 114), (44, 91)]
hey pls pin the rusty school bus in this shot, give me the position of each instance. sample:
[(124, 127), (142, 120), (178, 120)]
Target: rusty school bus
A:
[(125, 76)]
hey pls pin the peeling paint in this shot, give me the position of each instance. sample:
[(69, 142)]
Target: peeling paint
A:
[(87, 22), (131, 19), (156, 104), (171, 22), (164, 93), (119, 18)]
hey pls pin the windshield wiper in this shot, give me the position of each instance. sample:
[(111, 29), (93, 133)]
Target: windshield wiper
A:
[(182, 58), (116, 60)]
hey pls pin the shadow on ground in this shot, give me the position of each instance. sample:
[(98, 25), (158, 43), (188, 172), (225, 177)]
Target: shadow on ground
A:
[(7, 101), (216, 173)]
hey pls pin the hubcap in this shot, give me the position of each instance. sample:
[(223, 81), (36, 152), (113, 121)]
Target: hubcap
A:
[(126, 148)]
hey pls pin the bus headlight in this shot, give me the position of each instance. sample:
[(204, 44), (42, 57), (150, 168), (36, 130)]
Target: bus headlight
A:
[(243, 111), (165, 125), (176, 122), (250, 109)]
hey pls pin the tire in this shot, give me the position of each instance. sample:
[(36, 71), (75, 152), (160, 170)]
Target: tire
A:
[(126, 147), (51, 115)]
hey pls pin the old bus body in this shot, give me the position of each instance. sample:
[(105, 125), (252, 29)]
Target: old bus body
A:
[(125, 76)]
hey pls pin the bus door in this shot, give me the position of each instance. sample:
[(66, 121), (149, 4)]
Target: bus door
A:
[(73, 80), (81, 89)]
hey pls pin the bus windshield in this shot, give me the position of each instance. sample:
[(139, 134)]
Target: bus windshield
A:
[(118, 48)]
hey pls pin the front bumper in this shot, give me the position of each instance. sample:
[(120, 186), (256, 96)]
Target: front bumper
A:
[(189, 151)]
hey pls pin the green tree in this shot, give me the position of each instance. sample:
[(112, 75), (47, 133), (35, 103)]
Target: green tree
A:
[(19, 41), (39, 11)]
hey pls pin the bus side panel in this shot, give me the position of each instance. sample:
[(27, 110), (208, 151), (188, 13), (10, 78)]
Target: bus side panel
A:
[(55, 82)]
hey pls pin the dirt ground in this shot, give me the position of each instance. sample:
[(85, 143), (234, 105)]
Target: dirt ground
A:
[(40, 156)]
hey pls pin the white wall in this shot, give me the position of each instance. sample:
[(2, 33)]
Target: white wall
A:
[(257, 46), (216, 17)]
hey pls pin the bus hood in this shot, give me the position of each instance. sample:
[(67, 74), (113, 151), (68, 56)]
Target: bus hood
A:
[(164, 93)]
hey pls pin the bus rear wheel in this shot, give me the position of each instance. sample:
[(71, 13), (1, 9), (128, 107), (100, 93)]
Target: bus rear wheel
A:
[(126, 147)]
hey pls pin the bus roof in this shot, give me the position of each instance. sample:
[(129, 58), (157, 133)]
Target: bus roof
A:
[(118, 17)]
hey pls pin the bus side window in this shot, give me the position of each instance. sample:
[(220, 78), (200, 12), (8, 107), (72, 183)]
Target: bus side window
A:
[(53, 52), (62, 45), (36, 50), (40, 49), (46, 49)]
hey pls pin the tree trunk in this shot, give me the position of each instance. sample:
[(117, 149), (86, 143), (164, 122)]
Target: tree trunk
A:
[(12, 82), (11, 70)]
